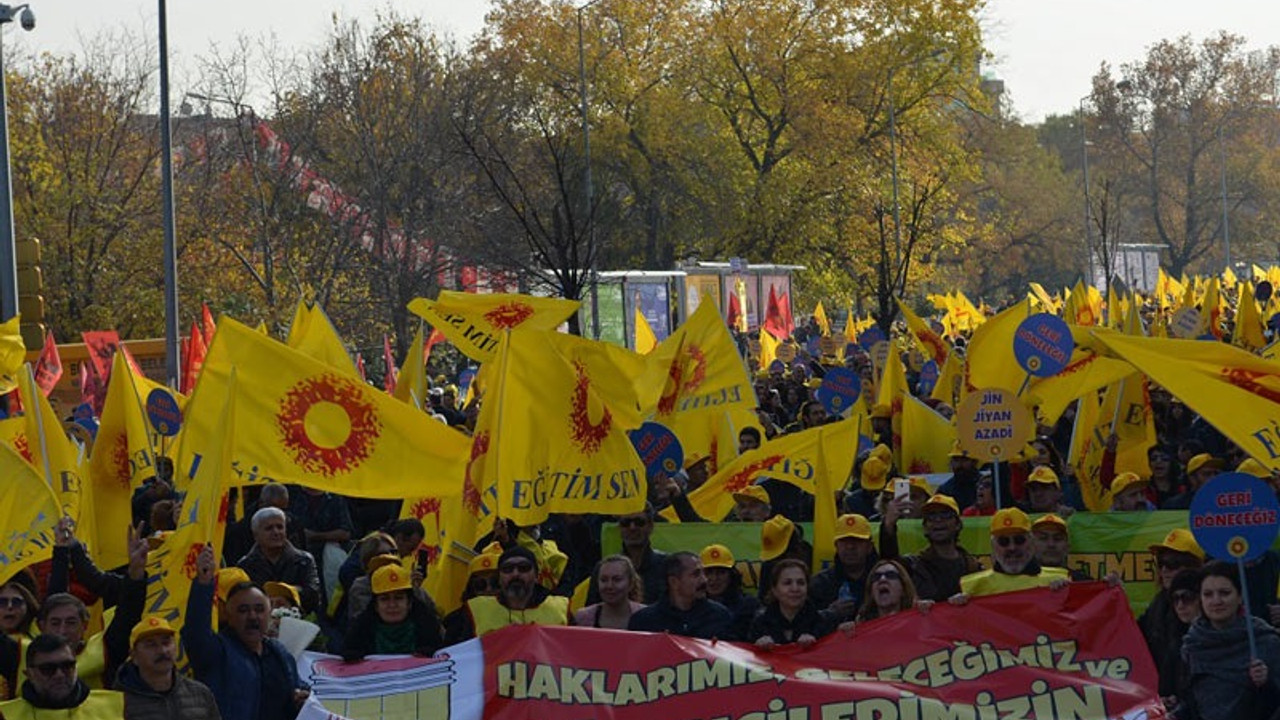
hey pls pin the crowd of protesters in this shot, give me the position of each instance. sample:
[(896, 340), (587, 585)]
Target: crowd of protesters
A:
[(347, 573)]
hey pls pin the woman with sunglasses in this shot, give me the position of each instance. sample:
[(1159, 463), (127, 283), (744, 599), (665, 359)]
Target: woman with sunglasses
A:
[(889, 592), (620, 593), (1159, 624), (789, 616), (1228, 681), (1184, 596)]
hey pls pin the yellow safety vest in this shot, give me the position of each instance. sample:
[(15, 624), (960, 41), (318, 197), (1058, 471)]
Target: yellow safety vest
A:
[(488, 614), (91, 663), (100, 705), (990, 582)]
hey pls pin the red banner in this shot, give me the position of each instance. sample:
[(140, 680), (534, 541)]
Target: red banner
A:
[(1071, 653)]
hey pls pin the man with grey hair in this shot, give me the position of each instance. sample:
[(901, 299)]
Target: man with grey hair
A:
[(274, 558), (239, 536)]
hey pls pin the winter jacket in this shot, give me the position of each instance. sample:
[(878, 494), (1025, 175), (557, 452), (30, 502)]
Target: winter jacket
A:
[(187, 699), (1218, 662), (362, 638), (809, 621), (705, 619)]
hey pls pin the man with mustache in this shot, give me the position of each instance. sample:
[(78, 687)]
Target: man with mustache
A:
[(152, 689), (251, 676), (685, 609), (1013, 557), (521, 600)]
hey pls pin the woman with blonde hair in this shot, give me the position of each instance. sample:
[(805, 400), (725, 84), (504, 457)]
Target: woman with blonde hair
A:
[(620, 593)]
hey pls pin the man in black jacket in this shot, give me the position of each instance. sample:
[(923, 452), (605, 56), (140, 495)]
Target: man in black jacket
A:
[(840, 588), (274, 558), (685, 610), (152, 688)]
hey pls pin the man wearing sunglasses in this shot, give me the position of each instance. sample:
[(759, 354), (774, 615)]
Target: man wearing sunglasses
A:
[(520, 599), (52, 684), (1013, 558)]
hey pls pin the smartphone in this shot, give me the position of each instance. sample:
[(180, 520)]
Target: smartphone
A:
[(901, 488)]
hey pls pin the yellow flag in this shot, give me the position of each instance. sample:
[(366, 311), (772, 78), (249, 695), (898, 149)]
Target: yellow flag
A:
[(411, 385), (1133, 320), (29, 513), (950, 387), (850, 327), (712, 435), (1080, 308), (1047, 301), (891, 390), (1236, 392), (1229, 277), (646, 340), (557, 434), (451, 535), (1248, 328), (797, 458), (1086, 373), (927, 438), (12, 353), (172, 566), (933, 346), (54, 457), (990, 358), (768, 349), (474, 323), (123, 456), (697, 368), (820, 316), (300, 421), (1126, 410), (314, 336), (1211, 310), (1088, 440)]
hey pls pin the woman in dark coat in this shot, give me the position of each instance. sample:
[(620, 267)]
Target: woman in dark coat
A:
[(396, 622), (789, 616)]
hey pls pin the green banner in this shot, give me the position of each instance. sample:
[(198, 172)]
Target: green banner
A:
[(1100, 543)]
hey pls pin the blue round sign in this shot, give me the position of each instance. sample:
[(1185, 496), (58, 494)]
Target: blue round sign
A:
[(928, 378), (659, 449), (1235, 517), (163, 412), (840, 388), (1042, 345), (870, 337)]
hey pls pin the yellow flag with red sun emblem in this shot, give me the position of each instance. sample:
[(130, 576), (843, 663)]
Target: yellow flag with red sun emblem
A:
[(930, 342), (797, 458), (29, 511), (555, 422), (474, 323), (123, 456), (55, 458), (698, 368), (301, 421)]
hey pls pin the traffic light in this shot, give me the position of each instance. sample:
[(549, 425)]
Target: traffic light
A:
[(31, 293)]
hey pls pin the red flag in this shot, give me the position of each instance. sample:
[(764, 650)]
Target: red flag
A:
[(194, 360), (774, 321), (92, 390), (49, 367), (207, 325), (735, 311), (102, 346), (784, 304), (360, 367), (388, 359), (435, 337)]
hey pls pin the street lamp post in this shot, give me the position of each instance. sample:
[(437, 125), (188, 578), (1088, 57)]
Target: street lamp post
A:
[(8, 247), (172, 359), (1088, 208), (586, 173)]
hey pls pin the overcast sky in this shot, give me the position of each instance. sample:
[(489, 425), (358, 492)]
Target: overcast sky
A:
[(1044, 50)]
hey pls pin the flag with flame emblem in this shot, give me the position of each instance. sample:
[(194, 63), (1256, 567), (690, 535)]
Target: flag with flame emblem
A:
[(798, 458), (474, 323), (556, 417), (1236, 392), (55, 458), (301, 421), (123, 456), (930, 343), (698, 367), (29, 511)]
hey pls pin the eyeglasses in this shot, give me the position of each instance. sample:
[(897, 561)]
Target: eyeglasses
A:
[(1007, 540), (1175, 563), (516, 567), (1183, 596), (885, 575), (13, 601), (50, 669), (633, 522)]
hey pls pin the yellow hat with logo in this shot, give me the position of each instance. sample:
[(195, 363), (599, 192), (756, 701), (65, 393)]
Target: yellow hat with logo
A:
[(752, 492), (716, 556), (227, 578), (1044, 475), (1254, 468), (852, 525), (775, 535), (390, 578), (939, 501), (484, 562), (284, 591), (1049, 520), (1179, 540), (1126, 481), (150, 625), (1010, 521)]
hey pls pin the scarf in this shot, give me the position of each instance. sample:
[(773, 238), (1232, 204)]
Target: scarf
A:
[(400, 638)]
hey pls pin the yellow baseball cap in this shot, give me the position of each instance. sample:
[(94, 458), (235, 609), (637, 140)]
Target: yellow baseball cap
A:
[(381, 561), (752, 492), (227, 578), (484, 562), (390, 578), (716, 556), (1044, 475), (1010, 521), (882, 453), (1179, 540), (150, 625), (1254, 468), (875, 473), (775, 535), (1049, 520), (1126, 480), (1203, 460), (284, 591), (938, 501), (853, 525)]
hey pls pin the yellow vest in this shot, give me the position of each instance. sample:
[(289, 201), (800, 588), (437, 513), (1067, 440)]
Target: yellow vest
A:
[(488, 614), (91, 663), (100, 705), (990, 582)]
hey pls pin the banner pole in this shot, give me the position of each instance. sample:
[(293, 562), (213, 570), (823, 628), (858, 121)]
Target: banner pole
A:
[(995, 483), (1248, 611)]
